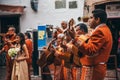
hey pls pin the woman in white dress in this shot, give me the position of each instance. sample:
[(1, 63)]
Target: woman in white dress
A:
[(20, 68)]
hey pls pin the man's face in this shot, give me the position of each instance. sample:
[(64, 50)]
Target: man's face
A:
[(59, 40), (78, 31), (11, 31), (92, 22), (64, 25)]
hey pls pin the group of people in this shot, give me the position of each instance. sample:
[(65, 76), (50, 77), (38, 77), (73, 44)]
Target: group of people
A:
[(76, 53), (18, 68)]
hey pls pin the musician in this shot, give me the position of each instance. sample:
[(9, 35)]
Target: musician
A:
[(46, 58), (70, 68), (29, 45), (9, 39), (96, 50), (80, 29), (58, 62), (45, 71), (68, 64), (64, 25), (65, 54), (68, 56), (71, 24), (60, 72)]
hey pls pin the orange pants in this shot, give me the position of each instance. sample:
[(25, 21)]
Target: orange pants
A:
[(73, 73), (97, 72)]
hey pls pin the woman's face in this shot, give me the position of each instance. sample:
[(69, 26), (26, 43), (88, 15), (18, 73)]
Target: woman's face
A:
[(18, 39), (26, 37)]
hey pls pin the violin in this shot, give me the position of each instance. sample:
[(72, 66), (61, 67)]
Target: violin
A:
[(7, 38), (2, 34), (6, 35)]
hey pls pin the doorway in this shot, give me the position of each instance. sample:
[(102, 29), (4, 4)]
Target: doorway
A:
[(5, 22)]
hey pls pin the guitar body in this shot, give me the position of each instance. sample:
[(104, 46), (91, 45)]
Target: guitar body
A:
[(68, 60), (46, 58), (50, 58), (42, 61), (76, 60)]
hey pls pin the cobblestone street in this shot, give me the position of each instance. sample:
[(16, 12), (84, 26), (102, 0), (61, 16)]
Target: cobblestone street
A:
[(110, 75)]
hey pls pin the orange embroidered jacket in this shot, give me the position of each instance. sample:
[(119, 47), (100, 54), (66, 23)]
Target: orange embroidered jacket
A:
[(98, 47)]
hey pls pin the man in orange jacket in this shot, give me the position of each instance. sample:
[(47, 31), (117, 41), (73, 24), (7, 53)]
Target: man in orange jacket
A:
[(29, 45), (96, 50), (9, 39)]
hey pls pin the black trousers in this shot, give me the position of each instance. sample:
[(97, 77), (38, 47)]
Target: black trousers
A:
[(45, 73)]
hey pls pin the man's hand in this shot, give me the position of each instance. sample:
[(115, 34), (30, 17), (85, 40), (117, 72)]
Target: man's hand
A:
[(81, 39)]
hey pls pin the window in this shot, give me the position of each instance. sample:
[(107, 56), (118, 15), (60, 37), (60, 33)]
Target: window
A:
[(60, 4), (73, 4)]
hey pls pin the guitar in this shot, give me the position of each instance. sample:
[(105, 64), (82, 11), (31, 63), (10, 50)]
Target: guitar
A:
[(47, 55)]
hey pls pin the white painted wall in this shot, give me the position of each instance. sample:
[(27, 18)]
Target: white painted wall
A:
[(47, 14)]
